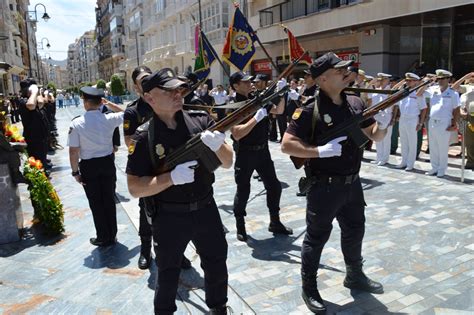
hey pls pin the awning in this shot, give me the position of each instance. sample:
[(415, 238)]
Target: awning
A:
[(16, 70), (4, 67)]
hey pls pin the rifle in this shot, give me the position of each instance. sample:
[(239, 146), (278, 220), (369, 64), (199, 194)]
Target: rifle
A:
[(195, 149), (373, 91), (351, 127)]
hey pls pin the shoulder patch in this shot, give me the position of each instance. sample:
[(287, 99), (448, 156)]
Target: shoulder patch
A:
[(126, 124), (131, 147), (297, 113)]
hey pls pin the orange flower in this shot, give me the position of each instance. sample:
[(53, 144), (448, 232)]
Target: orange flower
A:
[(38, 164), (32, 161)]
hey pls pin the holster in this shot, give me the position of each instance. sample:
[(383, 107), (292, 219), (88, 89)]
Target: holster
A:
[(305, 183)]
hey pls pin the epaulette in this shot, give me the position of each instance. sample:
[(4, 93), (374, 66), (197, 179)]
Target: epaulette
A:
[(144, 127), (76, 117)]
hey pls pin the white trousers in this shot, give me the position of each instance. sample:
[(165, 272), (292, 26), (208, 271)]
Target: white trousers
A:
[(408, 140), (383, 147), (439, 144)]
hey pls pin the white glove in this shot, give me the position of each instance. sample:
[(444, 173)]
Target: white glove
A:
[(332, 148), (33, 89), (293, 95), (183, 173), (213, 140), (383, 119), (260, 114), (281, 84)]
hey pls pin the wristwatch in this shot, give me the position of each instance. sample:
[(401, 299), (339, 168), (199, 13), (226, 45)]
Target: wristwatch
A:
[(75, 173)]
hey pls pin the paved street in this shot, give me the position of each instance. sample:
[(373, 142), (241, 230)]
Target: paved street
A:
[(418, 243)]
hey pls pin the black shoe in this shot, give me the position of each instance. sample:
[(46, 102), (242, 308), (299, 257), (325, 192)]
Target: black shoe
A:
[(144, 261), (241, 232), (313, 301), (277, 227), (185, 263), (221, 310), (356, 279), (300, 194), (94, 241)]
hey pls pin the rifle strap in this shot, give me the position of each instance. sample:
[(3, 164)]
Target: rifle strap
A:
[(316, 116), (151, 144)]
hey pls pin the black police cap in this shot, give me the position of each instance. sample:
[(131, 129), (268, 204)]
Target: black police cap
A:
[(239, 76), (92, 92), (325, 62), (162, 79), (261, 77)]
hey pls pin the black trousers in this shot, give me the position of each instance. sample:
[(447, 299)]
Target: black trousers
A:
[(245, 163), (281, 121), (38, 148), (99, 177), (144, 229), (324, 203), (172, 232)]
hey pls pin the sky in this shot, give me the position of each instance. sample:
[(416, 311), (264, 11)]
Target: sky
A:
[(69, 20)]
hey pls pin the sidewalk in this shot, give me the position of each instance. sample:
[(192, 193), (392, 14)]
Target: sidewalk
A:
[(418, 243)]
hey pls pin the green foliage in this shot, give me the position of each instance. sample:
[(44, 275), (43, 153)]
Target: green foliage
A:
[(101, 84), (116, 86), (45, 200), (51, 86)]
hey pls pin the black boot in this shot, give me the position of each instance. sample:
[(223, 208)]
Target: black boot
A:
[(17, 177), (145, 254), (356, 279), (277, 227), (311, 295), (221, 310), (241, 232)]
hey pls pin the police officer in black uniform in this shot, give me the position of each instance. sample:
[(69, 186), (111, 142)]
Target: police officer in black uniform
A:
[(183, 201), (92, 162), (333, 170), (252, 153), (35, 125), (137, 113)]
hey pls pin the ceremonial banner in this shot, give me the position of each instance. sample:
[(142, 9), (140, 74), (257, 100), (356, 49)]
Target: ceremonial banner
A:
[(204, 55), (295, 48), (239, 46)]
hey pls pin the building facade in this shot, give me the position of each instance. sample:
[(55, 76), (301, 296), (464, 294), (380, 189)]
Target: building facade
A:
[(382, 35)]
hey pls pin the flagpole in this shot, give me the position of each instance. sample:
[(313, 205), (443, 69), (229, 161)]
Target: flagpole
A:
[(200, 15), (268, 55), (204, 37)]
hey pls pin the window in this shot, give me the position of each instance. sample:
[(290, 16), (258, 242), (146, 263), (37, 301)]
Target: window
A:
[(160, 5)]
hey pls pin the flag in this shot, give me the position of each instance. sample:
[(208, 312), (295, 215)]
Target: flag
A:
[(204, 54), (239, 46), (295, 48)]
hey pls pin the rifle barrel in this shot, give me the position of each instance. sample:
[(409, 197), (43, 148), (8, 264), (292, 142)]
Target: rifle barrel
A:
[(373, 91)]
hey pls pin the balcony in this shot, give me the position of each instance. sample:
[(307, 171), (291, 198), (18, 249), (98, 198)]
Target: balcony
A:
[(184, 47), (150, 23)]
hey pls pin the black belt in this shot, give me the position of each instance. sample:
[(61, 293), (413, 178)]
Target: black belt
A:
[(184, 207), (251, 147), (336, 179)]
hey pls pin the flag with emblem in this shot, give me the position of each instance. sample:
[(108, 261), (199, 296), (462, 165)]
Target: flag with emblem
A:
[(205, 55), (239, 46), (295, 48)]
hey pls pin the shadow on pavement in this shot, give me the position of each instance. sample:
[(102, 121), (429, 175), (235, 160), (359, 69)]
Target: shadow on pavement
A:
[(59, 168), (31, 236), (119, 198), (190, 280), (371, 305), (370, 183), (276, 248), (113, 257)]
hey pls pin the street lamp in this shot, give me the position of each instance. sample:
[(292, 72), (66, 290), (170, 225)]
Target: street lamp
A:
[(32, 16), (47, 43)]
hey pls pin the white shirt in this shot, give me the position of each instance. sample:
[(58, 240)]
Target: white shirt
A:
[(412, 105), (92, 133), (377, 98), (442, 104), (220, 97)]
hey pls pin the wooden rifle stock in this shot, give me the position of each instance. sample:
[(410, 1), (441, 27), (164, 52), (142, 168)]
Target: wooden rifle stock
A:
[(366, 90), (351, 127), (195, 149)]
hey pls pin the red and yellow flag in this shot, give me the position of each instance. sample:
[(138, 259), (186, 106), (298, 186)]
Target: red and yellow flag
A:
[(295, 48)]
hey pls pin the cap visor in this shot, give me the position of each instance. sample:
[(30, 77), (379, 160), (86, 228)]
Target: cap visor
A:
[(173, 84), (247, 78), (343, 63)]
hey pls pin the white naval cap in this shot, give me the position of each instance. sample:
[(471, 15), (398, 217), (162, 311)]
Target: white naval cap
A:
[(440, 73), (361, 72), (411, 76), (382, 75), (369, 77)]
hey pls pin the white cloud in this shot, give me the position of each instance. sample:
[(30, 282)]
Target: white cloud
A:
[(69, 20)]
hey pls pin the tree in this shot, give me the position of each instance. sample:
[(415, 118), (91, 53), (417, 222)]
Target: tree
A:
[(52, 87), (101, 84), (116, 86)]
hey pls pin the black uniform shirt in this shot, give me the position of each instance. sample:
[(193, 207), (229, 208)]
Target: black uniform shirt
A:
[(139, 161), (136, 114), (331, 115), (34, 124), (259, 134)]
